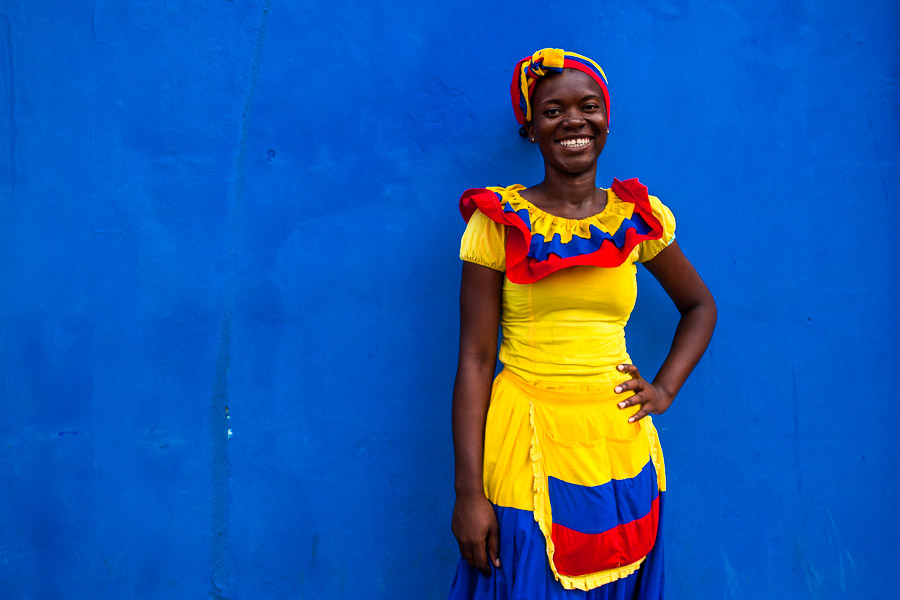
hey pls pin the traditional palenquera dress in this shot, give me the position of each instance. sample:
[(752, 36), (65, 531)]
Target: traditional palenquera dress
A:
[(577, 489)]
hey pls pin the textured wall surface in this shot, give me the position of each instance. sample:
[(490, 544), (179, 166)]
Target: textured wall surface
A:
[(242, 215)]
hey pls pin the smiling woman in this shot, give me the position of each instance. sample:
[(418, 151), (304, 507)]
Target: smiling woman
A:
[(560, 477)]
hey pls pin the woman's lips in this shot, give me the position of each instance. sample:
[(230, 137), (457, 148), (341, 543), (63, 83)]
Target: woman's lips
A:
[(574, 143)]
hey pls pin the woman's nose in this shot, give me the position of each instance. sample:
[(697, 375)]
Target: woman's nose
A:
[(573, 116)]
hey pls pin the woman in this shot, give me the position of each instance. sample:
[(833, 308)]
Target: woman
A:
[(559, 474)]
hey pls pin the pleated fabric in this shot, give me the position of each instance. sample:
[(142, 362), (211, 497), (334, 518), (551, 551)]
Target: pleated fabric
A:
[(578, 493), (526, 575)]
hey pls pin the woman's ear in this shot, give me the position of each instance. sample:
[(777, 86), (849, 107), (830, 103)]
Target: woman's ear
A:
[(529, 129)]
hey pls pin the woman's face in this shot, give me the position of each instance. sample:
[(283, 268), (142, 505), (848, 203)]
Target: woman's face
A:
[(569, 121)]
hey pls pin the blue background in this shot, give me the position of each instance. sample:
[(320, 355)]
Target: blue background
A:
[(243, 215)]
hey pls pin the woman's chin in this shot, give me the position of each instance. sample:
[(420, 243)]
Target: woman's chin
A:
[(577, 165)]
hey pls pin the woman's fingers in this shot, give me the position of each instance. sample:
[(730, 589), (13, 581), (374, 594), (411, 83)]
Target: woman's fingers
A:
[(482, 554), (642, 393), (493, 546), (475, 527), (474, 554), (466, 552), (635, 384), (628, 386), (632, 401), (467, 555), (647, 396), (630, 369), (480, 558), (645, 410)]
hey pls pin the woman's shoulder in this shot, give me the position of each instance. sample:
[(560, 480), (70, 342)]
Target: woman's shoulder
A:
[(650, 213), (484, 240)]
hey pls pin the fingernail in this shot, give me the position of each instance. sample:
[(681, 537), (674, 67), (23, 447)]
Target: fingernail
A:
[(621, 405), (631, 420), (621, 367), (618, 388)]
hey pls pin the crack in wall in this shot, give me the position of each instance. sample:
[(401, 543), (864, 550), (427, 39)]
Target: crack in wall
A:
[(219, 412), (7, 66)]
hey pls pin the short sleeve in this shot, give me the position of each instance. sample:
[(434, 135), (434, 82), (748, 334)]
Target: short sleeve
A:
[(650, 248), (484, 242)]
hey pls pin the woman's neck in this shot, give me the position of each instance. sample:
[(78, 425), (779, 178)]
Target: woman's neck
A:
[(568, 194)]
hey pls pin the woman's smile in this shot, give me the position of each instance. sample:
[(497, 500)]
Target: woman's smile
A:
[(577, 143)]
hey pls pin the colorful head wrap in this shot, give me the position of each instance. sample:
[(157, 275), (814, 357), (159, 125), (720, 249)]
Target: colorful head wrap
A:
[(546, 62)]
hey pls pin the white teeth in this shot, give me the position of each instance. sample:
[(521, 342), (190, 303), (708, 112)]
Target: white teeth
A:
[(575, 143)]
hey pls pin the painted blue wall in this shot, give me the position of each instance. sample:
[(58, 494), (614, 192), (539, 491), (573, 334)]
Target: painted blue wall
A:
[(242, 215)]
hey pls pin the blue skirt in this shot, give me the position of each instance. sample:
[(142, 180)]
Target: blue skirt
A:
[(525, 574)]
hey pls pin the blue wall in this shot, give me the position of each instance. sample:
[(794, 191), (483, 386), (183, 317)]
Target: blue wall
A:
[(242, 215)]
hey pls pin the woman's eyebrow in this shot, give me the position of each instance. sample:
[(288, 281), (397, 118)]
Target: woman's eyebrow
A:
[(557, 101)]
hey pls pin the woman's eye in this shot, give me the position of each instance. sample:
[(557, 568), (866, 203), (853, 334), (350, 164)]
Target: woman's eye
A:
[(591, 107)]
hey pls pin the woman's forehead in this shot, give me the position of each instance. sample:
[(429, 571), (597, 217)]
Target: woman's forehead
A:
[(569, 83)]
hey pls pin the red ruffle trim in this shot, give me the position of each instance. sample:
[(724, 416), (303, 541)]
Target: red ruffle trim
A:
[(522, 268)]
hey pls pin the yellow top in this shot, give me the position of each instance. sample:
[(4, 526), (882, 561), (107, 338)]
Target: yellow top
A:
[(570, 325)]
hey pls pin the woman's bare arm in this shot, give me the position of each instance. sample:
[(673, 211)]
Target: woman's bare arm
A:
[(474, 522), (698, 319)]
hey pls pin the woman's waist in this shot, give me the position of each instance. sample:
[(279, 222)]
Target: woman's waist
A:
[(560, 365), (594, 392), (565, 342)]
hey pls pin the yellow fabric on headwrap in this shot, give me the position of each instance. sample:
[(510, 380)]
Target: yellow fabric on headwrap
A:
[(548, 58)]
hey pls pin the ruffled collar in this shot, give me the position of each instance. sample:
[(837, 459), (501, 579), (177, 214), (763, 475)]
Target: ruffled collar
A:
[(539, 243)]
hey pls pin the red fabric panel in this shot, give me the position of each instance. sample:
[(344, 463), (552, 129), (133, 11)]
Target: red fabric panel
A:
[(583, 553)]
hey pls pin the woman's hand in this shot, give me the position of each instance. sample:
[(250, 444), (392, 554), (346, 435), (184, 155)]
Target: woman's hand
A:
[(475, 526), (650, 398)]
